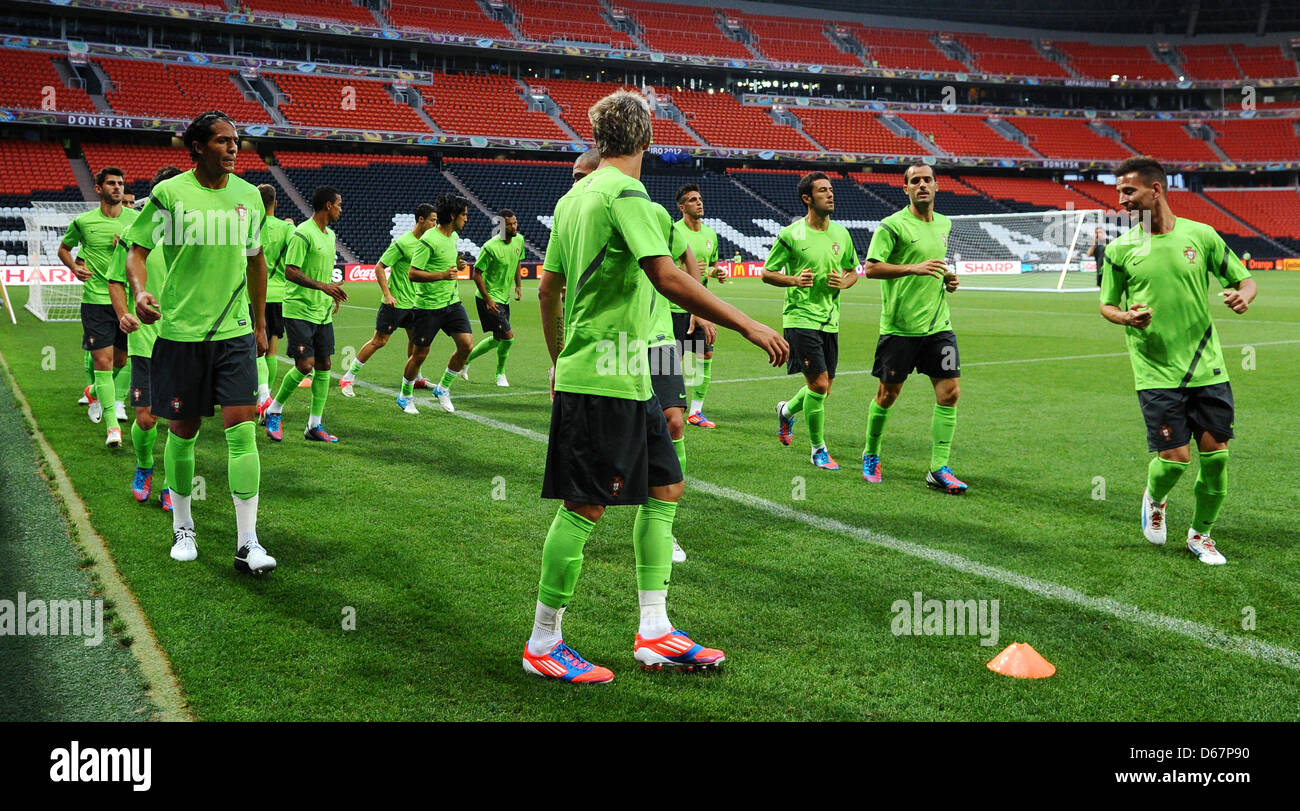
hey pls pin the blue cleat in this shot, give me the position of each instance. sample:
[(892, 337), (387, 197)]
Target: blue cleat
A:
[(319, 434), (943, 479), (871, 468), (785, 432), (407, 404), (565, 664), (822, 459), (273, 429), (142, 486)]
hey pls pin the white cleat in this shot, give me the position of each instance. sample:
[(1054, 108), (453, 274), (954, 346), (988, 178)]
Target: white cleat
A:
[(444, 399), (1202, 546), (502, 382), (407, 404), (261, 410), (679, 554), (114, 438), (183, 547), (85, 399), (1153, 519), (95, 411), (119, 411), (463, 374), (252, 559), (345, 388)]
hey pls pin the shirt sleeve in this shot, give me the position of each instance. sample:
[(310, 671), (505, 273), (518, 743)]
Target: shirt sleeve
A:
[(882, 243), (1113, 283), (146, 230), (256, 222), (73, 236), (296, 253), (713, 255), (633, 217), (391, 254), (779, 256), (1223, 262), (117, 265), (849, 257), (420, 258)]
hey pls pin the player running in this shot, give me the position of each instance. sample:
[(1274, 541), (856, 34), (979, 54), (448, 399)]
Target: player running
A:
[(609, 441), (97, 232), (275, 238), (1156, 284), (309, 307), (813, 259), (703, 242), (206, 222), (500, 261), (907, 254), (437, 301)]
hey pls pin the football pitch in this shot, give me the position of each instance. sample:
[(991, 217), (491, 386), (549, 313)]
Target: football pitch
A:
[(409, 552)]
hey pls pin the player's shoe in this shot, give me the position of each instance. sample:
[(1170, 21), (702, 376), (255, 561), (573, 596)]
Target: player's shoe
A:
[(675, 650), (305, 383), (263, 404), (502, 382), (85, 397), (142, 485), (822, 459), (679, 554), (1202, 546), (318, 434), (119, 411), (165, 500), (407, 404), (566, 664), (698, 419), (444, 399), (1153, 519), (183, 546), (423, 382), (273, 429), (114, 439), (871, 468), (345, 388), (944, 479), (94, 408), (252, 559), (785, 432)]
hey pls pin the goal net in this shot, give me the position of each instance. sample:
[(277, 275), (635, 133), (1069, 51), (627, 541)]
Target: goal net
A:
[(46, 223), (1030, 252)]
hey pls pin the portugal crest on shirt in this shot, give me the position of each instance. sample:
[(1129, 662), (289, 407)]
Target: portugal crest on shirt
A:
[(835, 248), (1190, 253)]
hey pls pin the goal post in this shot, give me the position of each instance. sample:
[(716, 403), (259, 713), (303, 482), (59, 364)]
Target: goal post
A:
[(51, 296), (1024, 252)]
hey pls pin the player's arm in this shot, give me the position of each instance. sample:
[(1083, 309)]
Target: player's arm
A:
[(877, 269), (550, 291), (146, 306), (293, 273), (1239, 296), (256, 271), (476, 275), (519, 281), (1113, 287), (382, 278), (418, 275), (692, 266)]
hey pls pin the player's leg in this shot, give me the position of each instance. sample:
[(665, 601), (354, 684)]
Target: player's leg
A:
[(233, 373), (323, 347), (819, 360), (670, 391), (786, 410), (943, 425), (877, 415), (179, 376), (488, 322), (269, 362), (301, 343), (89, 389), (377, 342), (505, 338), (121, 378), (144, 431), (1211, 414), (700, 377), (455, 322), (1169, 437), (423, 328)]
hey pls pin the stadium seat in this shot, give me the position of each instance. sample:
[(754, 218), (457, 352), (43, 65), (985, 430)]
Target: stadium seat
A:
[(1007, 56), (1096, 61), (30, 170), (485, 104), (1260, 139), (794, 39), (177, 91), (1166, 139), (567, 21), (906, 49), (1028, 193), (337, 11), (854, 131), (1264, 62), (677, 29), (723, 121), (1068, 138), (965, 135), (24, 77), (463, 17), (140, 162), (326, 101), (1209, 62), (1274, 212)]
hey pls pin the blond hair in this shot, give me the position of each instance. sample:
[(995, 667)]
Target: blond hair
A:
[(620, 123)]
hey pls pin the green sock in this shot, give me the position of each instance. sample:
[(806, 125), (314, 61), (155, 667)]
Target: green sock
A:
[(1211, 490), (815, 408), (289, 385), (484, 346), (943, 424), (705, 375), (243, 465), (795, 405), (178, 456), (355, 369), (320, 389), (268, 363), (106, 392), (679, 445), (876, 419), (143, 442), (90, 369), (1162, 475), (503, 352), (408, 387), (263, 373), (652, 540), (447, 376), (562, 557), (122, 384)]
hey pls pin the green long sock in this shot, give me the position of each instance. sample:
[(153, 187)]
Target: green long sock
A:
[(876, 419), (268, 363), (1162, 475), (943, 424), (484, 346), (815, 407), (503, 352), (408, 387), (796, 403), (1211, 490), (705, 375), (263, 374), (562, 557), (122, 384), (320, 389), (106, 392), (447, 376), (178, 456), (652, 540), (143, 442), (90, 369), (289, 385), (243, 465), (679, 445)]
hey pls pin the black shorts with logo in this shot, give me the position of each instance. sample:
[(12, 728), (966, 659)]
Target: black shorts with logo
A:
[(666, 376), (140, 366), (390, 319), (426, 324), (274, 319), (812, 351), (493, 323), (189, 378), (934, 355), (607, 450), (1176, 416), (689, 343), (99, 328), (305, 338)]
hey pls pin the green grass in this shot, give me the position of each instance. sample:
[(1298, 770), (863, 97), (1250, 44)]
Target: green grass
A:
[(398, 521)]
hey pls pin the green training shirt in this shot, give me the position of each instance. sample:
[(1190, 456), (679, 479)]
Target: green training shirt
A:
[(436, 253), (397, 258), (1170, 273), (275, 238), (206, 236), (140, 342), (498, 262), (97, 235), (798, 248), (661, 315), (603, 227), (703, 243), (311, 250), (911, 305)]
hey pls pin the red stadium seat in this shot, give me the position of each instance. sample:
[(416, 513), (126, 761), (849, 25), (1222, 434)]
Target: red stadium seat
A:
[(1264, 62), (854, 131), (31, 166), (1260, 139), (485, 104), (795, 39), (1104, 61), (464, 17), (177, 91), (1274, 212), (723, 121), (1209, 62), (337, 11), (1008, 56), (567, 20), (327, 101), (676, 29), (965, 135), (1068, 138), (1166, 139), (902, 48), (24, 77), (1036, 191)]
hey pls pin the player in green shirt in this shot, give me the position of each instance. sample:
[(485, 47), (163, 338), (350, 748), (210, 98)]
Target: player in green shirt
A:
[(434, 269), (311, 298), (813, 259), (1155, 284), (498, 263), (96, 234), (398, 306), (275, 238), (206, 223), (907, 254), (703, 242), (609, 442)]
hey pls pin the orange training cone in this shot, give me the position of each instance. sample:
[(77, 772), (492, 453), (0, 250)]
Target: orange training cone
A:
[(1020, 660)]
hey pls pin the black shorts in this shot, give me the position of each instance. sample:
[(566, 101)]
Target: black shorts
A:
[(451, 319), (493, 323), (1175, 416), (812, 351), (934, 355), (140, 381), (666, 376), (390, 319), (306, 338), (274, 319), (99, 328), (607, 450), (689, 343), (189, 378)]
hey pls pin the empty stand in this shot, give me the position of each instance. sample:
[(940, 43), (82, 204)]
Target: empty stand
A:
[(327, 101), (1239, 237), (1260, 139), (854, 131), (965, 135), (1104, 61), (484, 104), (316, 10), (1167, 139), (1273, 212), (139, 162), (1028, 193), (29, 170), (676, 29), (902, 48), (567, 21), (463, 17), (723, 121), (1008, 56), (1068, 138), (791, 39), (25, 77), (1264, 62), (529, 188), (1209, 62), (177, 91)]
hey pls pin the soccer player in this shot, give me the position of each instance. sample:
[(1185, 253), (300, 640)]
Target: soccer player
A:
[(97, 232), (206, 222), (907, 254), (1156, 285), (275, 238), (813, 259), (609, 442), (398, 307), (586, 163), (499, 262), (140, 340), (309, 307), (1098, 250), (437, 302), (703, 242)]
